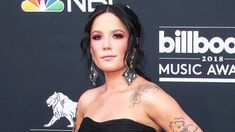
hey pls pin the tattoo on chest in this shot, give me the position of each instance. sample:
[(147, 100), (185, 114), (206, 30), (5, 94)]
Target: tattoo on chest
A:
[(179, 125), (140, 92)]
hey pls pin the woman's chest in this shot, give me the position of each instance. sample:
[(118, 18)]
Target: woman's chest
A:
[(113, 106)]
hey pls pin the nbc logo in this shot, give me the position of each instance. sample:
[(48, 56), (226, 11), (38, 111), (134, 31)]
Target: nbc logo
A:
[(42, 6)]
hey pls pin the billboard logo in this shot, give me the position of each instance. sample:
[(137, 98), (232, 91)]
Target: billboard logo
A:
[(42, 6), (62, 106), (190, 42), (196, 54)]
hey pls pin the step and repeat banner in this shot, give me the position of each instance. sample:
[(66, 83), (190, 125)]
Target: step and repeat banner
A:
[(189, 50)]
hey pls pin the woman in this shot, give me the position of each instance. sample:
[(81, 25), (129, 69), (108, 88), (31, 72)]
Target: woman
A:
[(127, 101)]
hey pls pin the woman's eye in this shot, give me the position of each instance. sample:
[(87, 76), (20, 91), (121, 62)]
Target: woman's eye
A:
[(96, 37), (118, 36)]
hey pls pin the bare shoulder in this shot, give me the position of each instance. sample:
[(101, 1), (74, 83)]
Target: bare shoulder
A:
[(86, 99), (162, 108), (149, 88), (145, 92), (88, 96), (152, 97), (83, 103)]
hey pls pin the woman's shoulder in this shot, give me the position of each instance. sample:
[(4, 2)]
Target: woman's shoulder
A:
[(88, 96), (162, 108), (154, 98), (147, 88), (149, 93)]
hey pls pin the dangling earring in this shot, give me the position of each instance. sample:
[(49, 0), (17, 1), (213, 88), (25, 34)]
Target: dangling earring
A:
[(93, 74), (129, 74)]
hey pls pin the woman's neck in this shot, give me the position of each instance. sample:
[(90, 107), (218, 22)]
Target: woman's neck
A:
[(114, 81)]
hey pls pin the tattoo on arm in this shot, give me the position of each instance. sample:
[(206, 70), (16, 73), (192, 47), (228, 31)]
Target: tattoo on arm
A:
[(140, 91), (179, 125)]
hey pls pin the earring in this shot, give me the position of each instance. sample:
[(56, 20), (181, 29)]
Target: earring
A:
[(129, 74), (93, 74)]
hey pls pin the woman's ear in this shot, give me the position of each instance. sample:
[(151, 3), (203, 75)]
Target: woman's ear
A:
[(137, 40), (91, 53)]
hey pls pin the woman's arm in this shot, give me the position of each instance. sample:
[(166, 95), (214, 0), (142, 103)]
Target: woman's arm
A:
[(83, 103), (82, 106), (79, 115), (165, 111)]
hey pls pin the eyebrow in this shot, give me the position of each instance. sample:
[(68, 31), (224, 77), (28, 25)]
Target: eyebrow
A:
[(113, 31)]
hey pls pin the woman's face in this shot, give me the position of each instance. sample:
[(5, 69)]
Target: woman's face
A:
[(108, 42)]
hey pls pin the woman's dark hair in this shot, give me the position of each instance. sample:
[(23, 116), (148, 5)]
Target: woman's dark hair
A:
[(132, 24)]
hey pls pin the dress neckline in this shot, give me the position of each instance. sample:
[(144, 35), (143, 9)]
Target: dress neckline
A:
[(117, 120)]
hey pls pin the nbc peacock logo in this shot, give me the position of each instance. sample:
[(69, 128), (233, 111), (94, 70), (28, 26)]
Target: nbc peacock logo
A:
[(42, 6)]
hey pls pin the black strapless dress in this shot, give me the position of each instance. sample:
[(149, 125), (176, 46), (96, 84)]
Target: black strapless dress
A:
[(116, 125)]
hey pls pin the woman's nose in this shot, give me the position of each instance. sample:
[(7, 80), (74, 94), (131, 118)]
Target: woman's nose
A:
[(106, 44)]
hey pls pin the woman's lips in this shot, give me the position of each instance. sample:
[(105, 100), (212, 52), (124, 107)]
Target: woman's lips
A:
[(108, 57)]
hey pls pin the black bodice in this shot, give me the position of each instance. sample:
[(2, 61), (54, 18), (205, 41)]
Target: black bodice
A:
[(116, 125)]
